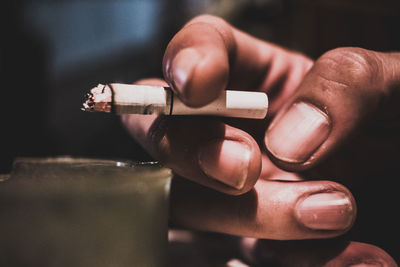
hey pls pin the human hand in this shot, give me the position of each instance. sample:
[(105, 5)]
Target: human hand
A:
[(190, 248), (336, 109)]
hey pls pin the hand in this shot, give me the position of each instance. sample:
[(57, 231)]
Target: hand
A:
[(188, 248), (325, 115)]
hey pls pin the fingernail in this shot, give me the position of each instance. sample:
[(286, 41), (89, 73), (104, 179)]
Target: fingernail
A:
[(298, 133), (325, 211), (183, 66), (226, 161)]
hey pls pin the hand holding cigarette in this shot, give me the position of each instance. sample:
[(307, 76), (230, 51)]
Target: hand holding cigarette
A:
[(316, 109), (144, 99)]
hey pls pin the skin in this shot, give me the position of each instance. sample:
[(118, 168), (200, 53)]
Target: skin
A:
[(354, 92)]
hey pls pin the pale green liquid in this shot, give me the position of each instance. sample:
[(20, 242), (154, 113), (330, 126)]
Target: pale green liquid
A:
[(80, 212)]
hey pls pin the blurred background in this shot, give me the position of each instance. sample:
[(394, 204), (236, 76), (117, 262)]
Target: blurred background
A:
[(53, 52)]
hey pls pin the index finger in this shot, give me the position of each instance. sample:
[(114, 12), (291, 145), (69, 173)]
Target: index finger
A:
[(208, 55)]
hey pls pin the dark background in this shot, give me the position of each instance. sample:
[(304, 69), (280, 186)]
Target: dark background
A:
[(53, 52)]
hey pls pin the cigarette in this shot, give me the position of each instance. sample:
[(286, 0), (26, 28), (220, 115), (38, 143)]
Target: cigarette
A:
[(142, 99)]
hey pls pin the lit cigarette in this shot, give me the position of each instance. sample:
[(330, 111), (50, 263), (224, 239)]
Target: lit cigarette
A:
[(142, 99)]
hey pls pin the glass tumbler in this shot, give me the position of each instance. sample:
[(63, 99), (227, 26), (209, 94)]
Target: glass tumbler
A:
[(84, 212)]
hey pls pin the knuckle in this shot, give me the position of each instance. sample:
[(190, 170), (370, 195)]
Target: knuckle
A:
[(156, 138), (222, 27), (206, 18), (351, 66), (125, 120)]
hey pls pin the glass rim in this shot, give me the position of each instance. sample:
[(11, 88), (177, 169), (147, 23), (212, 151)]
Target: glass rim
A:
[(85, 160), (89, 176)]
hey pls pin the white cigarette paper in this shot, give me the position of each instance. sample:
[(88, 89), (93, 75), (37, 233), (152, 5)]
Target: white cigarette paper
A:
[(143, 99)]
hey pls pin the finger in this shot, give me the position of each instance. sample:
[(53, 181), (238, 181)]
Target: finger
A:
[(315, 253), (345, 88), (204, 150), (273, 209), (225, 159), (208, 55)]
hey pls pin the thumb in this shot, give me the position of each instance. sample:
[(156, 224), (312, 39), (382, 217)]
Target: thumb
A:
[(345, 87)]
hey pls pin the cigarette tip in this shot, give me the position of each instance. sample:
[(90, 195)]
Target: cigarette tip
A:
[(98, 99), (88, 104)]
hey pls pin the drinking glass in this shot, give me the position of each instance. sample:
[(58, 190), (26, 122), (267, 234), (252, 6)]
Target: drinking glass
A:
[(84, 212)]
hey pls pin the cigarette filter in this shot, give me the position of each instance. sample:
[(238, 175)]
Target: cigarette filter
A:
[(142, 99)]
